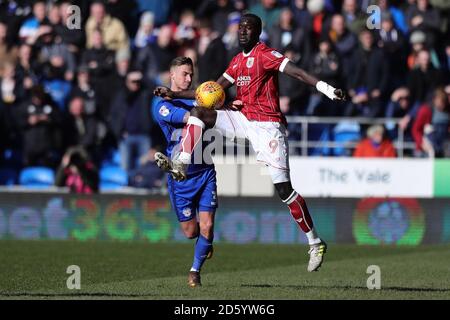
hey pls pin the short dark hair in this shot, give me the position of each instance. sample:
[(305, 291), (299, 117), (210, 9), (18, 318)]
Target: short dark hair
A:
[(256, 19), (180, 61)]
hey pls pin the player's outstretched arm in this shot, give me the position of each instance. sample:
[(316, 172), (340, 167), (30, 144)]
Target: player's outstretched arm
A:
[(168, 94), (300, 74)]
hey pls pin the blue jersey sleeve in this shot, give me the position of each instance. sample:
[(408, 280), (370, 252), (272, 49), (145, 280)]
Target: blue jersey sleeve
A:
[(169, 113)]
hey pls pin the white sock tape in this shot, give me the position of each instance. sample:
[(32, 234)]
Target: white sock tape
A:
[(196, 122), (326, 89)]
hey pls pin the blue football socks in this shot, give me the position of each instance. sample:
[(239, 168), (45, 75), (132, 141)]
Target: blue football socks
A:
[(202, 248)]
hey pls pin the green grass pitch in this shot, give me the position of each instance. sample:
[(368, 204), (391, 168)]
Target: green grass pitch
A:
[(109, 270)]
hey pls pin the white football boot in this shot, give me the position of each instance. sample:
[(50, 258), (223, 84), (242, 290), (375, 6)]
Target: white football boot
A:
[(316, 253), (176, 168)]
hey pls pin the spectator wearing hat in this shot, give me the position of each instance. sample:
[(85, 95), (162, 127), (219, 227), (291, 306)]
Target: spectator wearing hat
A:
[(40, 120), (145, 34), (417, 40), (56, 54), (185, 32), (130, 120), (230, 38), (154, 59), (375, 145), (320, 19)]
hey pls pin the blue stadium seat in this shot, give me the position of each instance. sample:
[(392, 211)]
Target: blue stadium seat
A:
[(112, 158), (8, 176), (37, 177), (345, 132), (322, 134), (112, 177)]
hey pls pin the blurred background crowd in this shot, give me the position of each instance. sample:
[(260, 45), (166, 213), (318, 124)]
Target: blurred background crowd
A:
[(77, 101)]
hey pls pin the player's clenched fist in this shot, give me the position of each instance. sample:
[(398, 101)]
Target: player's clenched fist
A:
[(340, 95), (163, 92)]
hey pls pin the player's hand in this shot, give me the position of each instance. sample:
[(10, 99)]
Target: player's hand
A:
[(340, 95), (163, 92), (236, 105)]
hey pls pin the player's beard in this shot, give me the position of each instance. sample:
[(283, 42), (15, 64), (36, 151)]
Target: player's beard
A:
[(247, 45)]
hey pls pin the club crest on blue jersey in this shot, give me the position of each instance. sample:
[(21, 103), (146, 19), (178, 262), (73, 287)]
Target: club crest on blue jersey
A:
[(164, 111)]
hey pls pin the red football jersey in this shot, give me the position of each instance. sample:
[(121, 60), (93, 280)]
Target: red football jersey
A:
[(255, 75)]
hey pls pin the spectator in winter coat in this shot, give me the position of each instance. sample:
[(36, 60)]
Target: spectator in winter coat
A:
[(375, 145)]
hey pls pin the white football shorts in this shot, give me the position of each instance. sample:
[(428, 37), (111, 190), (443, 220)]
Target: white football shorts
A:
[(268, 140)]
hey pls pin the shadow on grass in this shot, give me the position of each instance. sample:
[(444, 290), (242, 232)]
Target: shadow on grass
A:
[(406, 289)]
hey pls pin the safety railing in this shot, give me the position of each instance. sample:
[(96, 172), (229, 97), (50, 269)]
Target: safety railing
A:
[(304, 144)]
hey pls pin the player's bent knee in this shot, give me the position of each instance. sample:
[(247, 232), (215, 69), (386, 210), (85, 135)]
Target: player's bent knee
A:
[(191, 234), (284, 189), (207, 228), (190, 230), (206, 115)]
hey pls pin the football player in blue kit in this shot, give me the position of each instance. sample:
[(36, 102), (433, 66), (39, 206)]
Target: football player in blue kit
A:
[(198, 193)]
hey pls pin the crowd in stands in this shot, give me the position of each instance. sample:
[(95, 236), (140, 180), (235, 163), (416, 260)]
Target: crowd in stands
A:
[(78, 99)]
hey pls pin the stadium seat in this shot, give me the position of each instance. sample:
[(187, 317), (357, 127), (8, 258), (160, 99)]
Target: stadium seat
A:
[(112, 158), (345, 132), (37, 177), (320, 133), (8, 176), (112, 177)]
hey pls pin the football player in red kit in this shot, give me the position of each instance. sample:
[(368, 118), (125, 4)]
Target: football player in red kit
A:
[(254, 115)]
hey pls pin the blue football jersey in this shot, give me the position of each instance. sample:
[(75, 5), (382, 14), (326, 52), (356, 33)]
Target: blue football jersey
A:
[(169, 114)]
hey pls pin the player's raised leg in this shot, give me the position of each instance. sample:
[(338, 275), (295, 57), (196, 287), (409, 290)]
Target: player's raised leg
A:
[(199, 119), (299, 211)]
